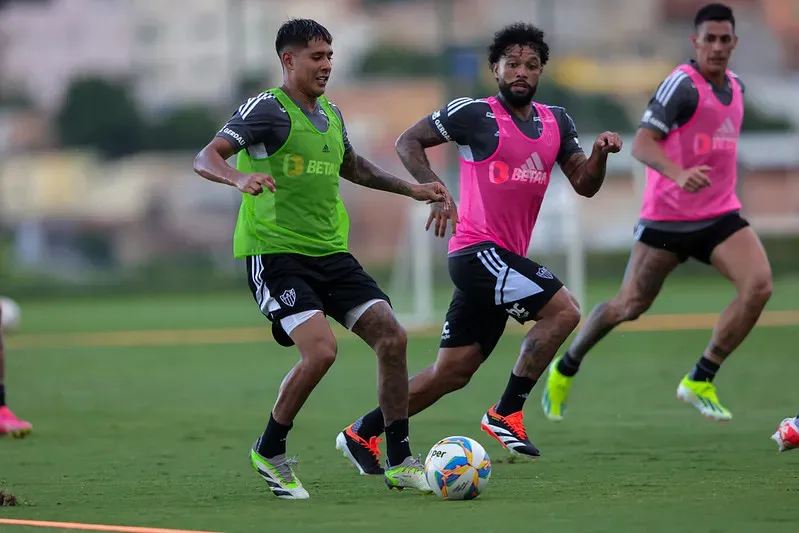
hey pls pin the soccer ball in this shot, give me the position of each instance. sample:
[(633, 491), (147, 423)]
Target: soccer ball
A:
[(457, 468), (11, 315)]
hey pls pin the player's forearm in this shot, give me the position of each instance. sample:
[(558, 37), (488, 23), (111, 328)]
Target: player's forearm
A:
[(211, 166), (592, 174), (363, 172), (414, 158), (648, 151)]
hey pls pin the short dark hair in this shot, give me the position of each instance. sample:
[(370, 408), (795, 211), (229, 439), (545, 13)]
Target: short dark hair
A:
[(299, 32), (715, 13), (519, 33)]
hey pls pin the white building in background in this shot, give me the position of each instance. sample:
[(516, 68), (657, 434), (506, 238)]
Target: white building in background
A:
[(173, 51), (43, 45), (197, 50)]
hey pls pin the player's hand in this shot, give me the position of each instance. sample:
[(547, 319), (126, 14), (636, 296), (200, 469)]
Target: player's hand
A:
[(431, 192), (255, 183), (608, 143), (442, 215), (694, 179)]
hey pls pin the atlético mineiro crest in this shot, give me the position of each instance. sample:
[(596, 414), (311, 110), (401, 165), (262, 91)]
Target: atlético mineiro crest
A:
[(289, 297), (544, 273)]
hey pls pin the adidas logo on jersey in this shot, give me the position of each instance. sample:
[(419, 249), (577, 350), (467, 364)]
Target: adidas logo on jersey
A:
[(724, 138), (532, 171), (325, 149)]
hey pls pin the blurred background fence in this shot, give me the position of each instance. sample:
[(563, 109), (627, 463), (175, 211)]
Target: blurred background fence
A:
[(104, 103)]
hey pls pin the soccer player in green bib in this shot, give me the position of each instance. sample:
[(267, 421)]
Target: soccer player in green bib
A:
[(292, 229)]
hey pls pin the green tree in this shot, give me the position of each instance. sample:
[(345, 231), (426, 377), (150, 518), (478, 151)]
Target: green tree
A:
[(101, 114), (185, 128)]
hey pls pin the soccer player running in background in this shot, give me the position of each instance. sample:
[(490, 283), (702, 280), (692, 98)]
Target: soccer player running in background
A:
[(688, 139), (787, 435), (293, 230), (508, 146), (9, 423)]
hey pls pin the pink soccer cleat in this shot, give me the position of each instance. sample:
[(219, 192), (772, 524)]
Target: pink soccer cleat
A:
[(11, 425), (787, 435)]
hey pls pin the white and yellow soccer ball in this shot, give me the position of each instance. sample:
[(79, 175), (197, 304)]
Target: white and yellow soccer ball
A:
[(457, 468), (10, 315)]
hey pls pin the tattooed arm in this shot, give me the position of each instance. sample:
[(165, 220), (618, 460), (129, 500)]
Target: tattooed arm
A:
[(363, 172), (411, 147), (587, 174)]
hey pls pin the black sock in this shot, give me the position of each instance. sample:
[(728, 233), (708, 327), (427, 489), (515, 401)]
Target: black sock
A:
[(705, 370), (568, 366), (515, 394), (273, 441), (398, 445), (2, 395), (370, 424)]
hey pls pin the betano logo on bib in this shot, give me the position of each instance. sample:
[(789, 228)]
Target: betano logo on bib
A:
[(724, 138), (532, 171), (295, 165)]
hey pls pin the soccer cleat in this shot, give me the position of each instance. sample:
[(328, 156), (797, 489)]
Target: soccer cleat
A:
[(13, 426), (408, 474), (279, 475), (787, 435), (702, 395), (553, 401), (509, 432), (364, 454)]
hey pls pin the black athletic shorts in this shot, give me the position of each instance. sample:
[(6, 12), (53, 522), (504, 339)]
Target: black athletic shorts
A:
[(287, 284), (491, 284), (697, 244)]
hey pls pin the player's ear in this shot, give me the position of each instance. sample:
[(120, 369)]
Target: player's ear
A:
[(695, 41), (287, 58), (495, 70)]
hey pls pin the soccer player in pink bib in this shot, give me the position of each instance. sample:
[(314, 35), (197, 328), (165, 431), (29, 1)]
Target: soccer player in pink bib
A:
[(688, 139), (508, 146), (9, 423)]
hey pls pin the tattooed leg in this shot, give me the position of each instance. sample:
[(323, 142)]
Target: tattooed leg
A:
[(553, 325), (379, 328), (646, 271)]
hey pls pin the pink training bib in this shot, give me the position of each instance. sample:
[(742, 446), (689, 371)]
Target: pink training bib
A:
[(709, 138), (502, 195)]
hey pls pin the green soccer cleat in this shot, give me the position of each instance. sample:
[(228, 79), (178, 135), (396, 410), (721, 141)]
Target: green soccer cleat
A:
[(278, 473), (553, 400), (408, 474), (702, 395)]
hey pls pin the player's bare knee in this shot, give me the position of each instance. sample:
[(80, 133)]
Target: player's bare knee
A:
[(633, 307), (320, 351), (324, 355), (757, 291), (393, 342), (452, 376), (455, 367), (569, 316)]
